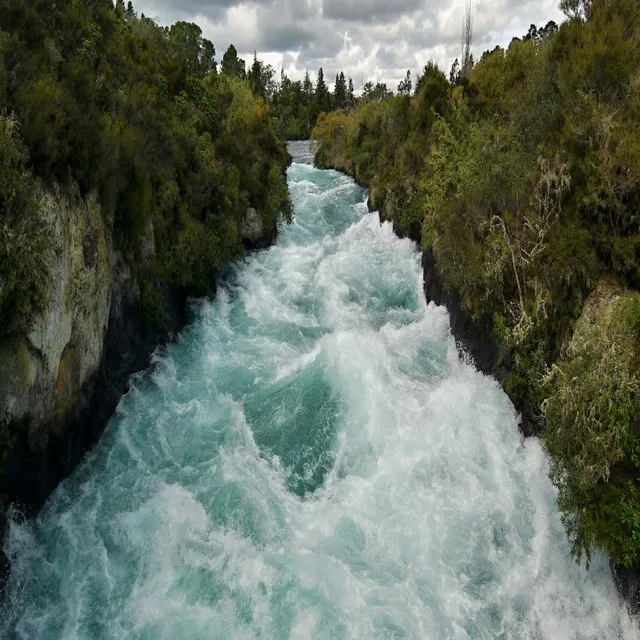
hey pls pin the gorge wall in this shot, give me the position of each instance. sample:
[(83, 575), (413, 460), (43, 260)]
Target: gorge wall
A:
[(61, 381)]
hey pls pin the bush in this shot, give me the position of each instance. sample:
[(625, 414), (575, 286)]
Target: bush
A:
[(592, 407)]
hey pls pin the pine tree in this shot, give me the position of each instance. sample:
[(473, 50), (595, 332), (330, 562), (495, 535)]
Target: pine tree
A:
[(340, 92), (351, 97), (254, 76), (307, 89), (231, 64), (322, 95)]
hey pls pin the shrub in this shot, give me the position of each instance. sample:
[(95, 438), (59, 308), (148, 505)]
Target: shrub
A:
[(592, 407)]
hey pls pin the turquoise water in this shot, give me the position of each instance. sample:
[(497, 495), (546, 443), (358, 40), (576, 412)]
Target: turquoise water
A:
[(310, 459)]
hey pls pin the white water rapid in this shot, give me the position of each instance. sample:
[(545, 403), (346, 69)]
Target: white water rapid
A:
[(310, 459)]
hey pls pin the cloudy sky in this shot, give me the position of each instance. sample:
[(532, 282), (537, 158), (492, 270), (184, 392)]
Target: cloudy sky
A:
[(374, 40)]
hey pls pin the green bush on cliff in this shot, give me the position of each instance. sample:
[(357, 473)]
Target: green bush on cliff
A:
[(591, 413)]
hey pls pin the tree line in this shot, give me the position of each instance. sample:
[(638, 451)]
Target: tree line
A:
[(95, 98)]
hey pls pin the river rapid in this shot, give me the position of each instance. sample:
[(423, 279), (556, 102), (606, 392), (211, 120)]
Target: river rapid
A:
[(311, 458)]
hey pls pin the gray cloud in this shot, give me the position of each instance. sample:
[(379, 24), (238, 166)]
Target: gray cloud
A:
[(368, 39), (368, 10)]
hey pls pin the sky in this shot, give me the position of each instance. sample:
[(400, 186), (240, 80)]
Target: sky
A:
[(376, 40)]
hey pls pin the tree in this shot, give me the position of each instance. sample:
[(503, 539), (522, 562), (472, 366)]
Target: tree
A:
[(254, 76), (351, 97), (340, 92), (467, 40), (130, 13), (260, 78), (375, 93), (576, 8), (406, 86), (307, 89), (207, 57), (322, 95), (185, 40), (550, 29), (232, 66)]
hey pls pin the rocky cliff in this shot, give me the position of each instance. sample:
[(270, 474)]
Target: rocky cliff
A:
[(60, 383)]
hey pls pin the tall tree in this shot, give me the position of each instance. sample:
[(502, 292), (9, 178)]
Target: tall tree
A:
[(260, 78), (307, 89), (185, 41), (351, 96), (232, 65), (255, 76), (207, 57), (467, 39), (340, 92), (322, 95)]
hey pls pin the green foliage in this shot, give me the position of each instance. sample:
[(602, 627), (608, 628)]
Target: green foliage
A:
[(232, 66), (138, 114), (194, 258), (278, 204), (522, 179), (23, 275), (596, 390)]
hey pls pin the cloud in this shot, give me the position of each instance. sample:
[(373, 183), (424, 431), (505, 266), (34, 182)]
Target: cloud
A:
[(367, 39), (365, 11)]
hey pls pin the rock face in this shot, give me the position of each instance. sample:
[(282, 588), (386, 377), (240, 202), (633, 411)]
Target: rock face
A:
[(627, 581), (43, 372), (253, 233), (251, 226), (60, 384)]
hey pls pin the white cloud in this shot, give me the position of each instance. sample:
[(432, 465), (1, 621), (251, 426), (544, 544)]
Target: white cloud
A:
[(367, 39)]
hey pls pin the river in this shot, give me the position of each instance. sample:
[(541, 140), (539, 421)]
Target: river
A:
[(311, 458)]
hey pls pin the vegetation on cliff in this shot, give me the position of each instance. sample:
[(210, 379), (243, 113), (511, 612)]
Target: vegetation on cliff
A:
[(522, 177), (98, 99)]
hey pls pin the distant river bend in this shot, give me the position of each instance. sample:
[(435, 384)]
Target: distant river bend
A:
[(310, 459)]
